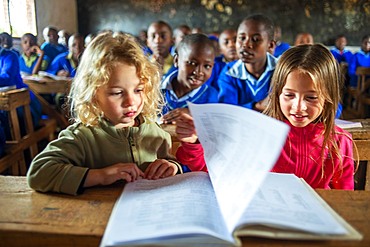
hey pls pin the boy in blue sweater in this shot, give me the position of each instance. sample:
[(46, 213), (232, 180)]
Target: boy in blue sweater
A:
[(246, 81), (194, 61), (359, 59)]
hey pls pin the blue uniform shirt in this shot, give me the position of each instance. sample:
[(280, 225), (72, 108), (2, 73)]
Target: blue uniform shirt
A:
[(239, 87), (359, 59), (203, 94)]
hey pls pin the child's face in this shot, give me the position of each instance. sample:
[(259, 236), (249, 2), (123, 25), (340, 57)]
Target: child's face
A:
[(304, 39), (52, 37), (252, 42), (26, 44), (195, 65), (159, 39), (299, 100), (180, 34), (340, 43), (122, 99), (227, 42), (76, 46), (366, 45)]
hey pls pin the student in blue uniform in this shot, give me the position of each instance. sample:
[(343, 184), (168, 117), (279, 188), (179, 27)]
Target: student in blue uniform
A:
[(227, 47), (339, 51), (51, 47), (66, 63), (33, 59), (10, 76), (359, 59), (194, 61), (281, 46), (246, 81)]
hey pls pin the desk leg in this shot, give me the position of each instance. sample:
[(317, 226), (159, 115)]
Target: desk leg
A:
[(367, 178), (51, 112)]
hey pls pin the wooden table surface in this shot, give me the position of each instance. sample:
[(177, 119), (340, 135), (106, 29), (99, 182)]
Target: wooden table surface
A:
[(29, 218)]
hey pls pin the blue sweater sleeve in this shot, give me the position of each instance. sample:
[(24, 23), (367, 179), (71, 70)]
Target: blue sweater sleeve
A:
[(9, 69), (228, 92)]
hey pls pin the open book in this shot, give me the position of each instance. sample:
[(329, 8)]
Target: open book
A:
[(239, 197)]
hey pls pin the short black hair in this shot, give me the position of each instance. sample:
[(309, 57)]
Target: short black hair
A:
[(192, 39), (267, 22)]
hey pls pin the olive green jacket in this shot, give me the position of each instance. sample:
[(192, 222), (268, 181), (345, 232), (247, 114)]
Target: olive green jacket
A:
[(62, 165)]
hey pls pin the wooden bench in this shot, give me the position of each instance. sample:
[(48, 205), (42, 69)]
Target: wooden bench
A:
[(14, 150), (359, 97)]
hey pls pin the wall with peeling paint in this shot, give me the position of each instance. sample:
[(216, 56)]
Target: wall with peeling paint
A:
[(324, 19)]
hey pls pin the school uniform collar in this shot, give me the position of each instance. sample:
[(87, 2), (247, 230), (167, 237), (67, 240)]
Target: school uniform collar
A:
[(239, 71), (167, 85)]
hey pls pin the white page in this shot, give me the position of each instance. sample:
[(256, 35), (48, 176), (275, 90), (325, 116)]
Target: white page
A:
[(165, 208), (240, 146), (345, 124), (283, 200)]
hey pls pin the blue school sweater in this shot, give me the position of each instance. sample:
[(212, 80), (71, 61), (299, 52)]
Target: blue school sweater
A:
[(26, 64), (10, 76), (52, 50), (280, 49), (359, 59), (341, 56), (239, 87), (63, 62), (203, 94)]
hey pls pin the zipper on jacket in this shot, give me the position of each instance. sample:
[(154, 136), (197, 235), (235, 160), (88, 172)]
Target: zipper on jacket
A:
[(133, 148)]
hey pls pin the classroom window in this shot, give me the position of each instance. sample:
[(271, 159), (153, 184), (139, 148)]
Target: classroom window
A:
[(18, 17)]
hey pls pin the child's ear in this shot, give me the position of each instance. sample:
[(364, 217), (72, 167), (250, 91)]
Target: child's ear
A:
[(272, 46), (176, 60)]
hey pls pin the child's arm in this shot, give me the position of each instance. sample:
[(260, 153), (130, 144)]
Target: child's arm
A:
[(190, 153), (105, 176), (40, 54)]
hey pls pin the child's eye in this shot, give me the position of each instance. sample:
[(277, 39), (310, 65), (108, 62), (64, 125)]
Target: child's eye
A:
[(191, 63), (289, 95), (255, 39), (208, 66), (116, 93), (139, 90), (312, 98)]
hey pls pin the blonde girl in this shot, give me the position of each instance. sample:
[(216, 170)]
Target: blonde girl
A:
[(305, 94), (114, 100)]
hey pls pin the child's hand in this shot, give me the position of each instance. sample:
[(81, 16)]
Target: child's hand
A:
[(160, 169), (261, 105), (108, 175), (185, 129), (35, 49), (174, 115), (63, 73)]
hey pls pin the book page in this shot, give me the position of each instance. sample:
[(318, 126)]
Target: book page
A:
[(240, 146), (283, 201), (171, 208), (345, 124)]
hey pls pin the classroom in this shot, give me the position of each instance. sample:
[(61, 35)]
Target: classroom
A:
[(105, 98)]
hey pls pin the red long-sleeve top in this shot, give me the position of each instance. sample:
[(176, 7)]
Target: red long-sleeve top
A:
[(301, 155)]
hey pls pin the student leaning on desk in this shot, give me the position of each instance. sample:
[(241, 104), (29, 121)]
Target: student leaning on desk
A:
[(304, 95), (114, 100)]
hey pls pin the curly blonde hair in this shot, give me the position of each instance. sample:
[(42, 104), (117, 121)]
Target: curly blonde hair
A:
[(94, 71)]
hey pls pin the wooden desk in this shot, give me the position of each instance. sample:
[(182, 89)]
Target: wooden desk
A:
[(29, 218), (361, 137), (45, 85)]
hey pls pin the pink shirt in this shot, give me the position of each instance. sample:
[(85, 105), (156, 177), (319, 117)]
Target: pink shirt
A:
[(301, 155)]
